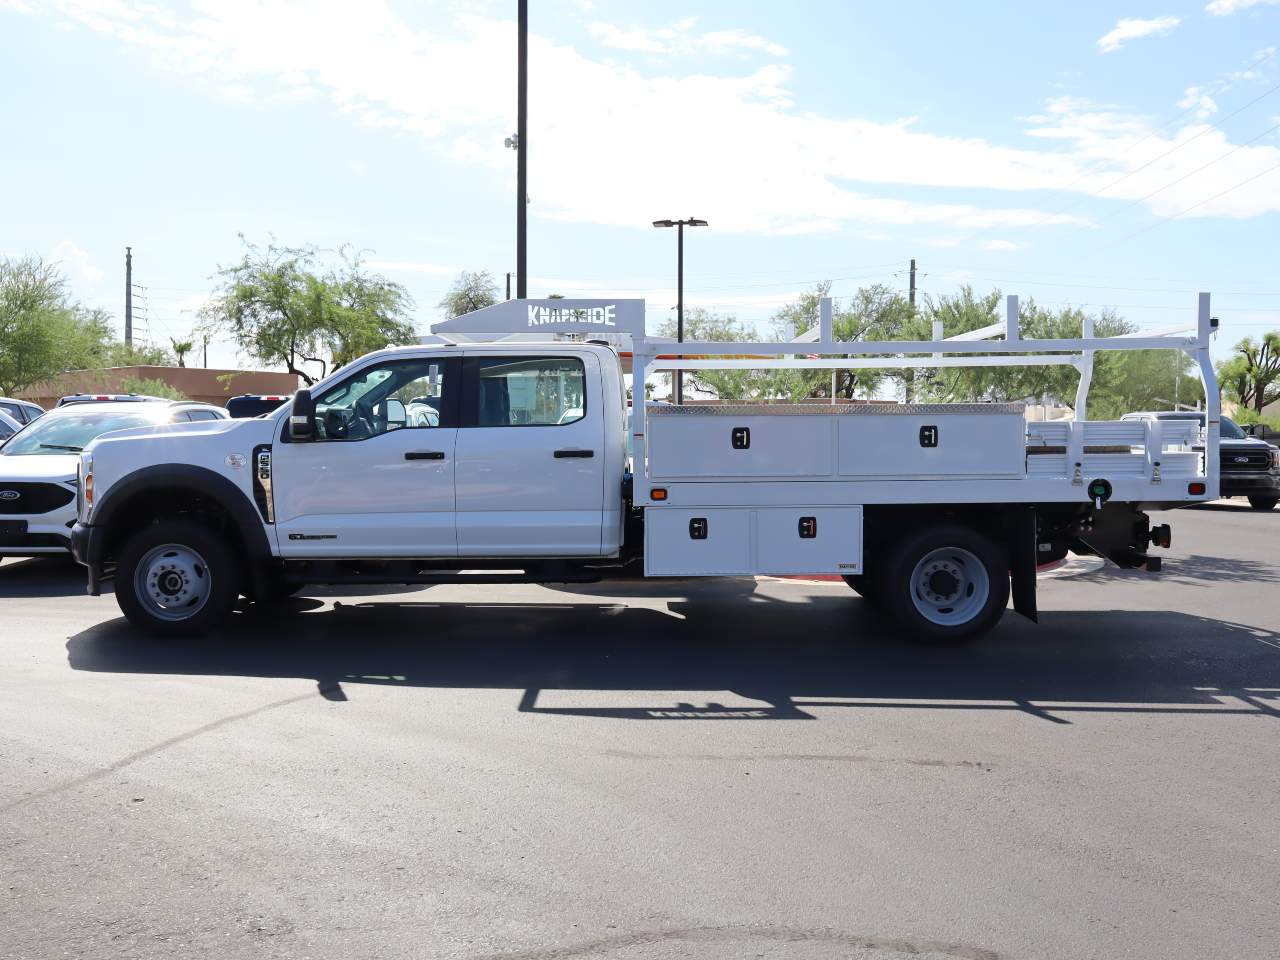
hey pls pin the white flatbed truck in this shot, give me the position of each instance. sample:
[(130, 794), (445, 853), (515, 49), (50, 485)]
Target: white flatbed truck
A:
[(521, 461)]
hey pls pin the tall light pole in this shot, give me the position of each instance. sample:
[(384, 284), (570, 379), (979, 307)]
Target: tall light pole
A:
[(678, 375), (522, 144)]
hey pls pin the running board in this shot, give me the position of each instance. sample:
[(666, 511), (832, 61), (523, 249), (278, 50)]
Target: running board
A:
[(431, 572)]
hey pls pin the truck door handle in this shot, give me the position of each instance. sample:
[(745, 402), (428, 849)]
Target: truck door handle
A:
[(577, 454), (424, 455)]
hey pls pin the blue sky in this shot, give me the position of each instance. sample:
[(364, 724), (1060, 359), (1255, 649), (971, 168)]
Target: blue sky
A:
[(1118, 154)]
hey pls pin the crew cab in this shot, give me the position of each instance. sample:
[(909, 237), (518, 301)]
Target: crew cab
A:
[(936, 513)]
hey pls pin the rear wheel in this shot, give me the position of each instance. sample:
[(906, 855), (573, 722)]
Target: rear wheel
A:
[(175, 578), (947, 583), (1263, 503)]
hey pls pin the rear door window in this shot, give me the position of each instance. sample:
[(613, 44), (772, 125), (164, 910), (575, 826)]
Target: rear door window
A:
[(527, 391)]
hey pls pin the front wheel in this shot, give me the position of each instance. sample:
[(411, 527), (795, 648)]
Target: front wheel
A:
[(175, 578), (945, 584), (1263, 503)]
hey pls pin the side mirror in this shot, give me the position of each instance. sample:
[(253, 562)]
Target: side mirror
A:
[(396, 415), (302, 418)]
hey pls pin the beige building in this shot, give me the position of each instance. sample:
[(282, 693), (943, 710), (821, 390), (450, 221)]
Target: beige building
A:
[(196, 383)]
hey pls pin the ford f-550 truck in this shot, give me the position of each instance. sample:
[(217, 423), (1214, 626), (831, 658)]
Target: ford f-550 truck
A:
[(523, 462)]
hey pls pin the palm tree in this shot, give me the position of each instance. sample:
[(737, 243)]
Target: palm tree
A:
[(182, 348)]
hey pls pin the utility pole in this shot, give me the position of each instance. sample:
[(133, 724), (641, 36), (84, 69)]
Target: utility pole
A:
[(912, 294), (128, 296), (522, 144), (508, 284), (206, 351)]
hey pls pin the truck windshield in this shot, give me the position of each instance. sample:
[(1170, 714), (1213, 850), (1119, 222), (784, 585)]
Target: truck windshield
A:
[(1227, 429), (52, 435)]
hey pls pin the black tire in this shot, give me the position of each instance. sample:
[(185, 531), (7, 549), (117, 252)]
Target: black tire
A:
[(975, 560), (215, 576), (1263, 503)]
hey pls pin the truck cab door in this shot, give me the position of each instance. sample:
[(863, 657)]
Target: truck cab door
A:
[(530, 456), (377, 480)]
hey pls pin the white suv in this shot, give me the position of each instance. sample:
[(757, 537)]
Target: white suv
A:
[(38, 466)]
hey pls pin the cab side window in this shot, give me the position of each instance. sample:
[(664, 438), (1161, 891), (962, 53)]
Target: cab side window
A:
[(529, 391), (404, 394)]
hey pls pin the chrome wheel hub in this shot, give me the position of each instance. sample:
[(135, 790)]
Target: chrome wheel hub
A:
[(949, 586), (172, 581)]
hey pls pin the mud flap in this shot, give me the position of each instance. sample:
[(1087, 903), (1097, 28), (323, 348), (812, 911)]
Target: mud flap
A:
[(1022, 561)]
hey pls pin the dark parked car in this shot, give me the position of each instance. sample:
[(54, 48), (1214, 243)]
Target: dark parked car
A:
[(254, 405), (1249, 467)]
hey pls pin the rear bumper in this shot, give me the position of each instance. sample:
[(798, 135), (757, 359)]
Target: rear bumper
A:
[(87, 547)]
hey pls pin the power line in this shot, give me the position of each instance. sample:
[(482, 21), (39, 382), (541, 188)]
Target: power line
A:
[(1191, 174), (1175, 149), (1194, 206), (1174, 122)]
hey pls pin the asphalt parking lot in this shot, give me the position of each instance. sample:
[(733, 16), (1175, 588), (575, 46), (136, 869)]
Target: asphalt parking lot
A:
[(732, 769)]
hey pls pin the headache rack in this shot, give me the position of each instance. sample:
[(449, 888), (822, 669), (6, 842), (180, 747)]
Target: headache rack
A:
[(1139, 461)]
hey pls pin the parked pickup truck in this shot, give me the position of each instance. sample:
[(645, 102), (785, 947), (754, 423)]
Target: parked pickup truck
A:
[(1250, 467), (934, 512)]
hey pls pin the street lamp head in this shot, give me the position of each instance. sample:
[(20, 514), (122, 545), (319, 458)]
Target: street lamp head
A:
[(694, 222), (664, 223)]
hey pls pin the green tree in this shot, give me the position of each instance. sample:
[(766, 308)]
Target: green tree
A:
[(1122, 381), (150, 388), (42, 332), (117, 353), (702, 324), (180, 349), (873, 313), (282, 307), (1252, 376), (470, 291), (369, 312)]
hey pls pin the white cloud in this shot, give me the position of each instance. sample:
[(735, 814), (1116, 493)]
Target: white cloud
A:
[(679, 39), (601, 144), (77, 263), (1130, 28), (1223, 8), (999, 246), (1138, 162), (1196, 97)]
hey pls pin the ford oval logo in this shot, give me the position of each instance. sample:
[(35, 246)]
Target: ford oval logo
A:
[(1237, 460), (10, 495)]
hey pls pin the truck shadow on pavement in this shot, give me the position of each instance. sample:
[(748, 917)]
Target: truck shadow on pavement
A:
[(1194, 570), (785, 657), (50, 576)]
